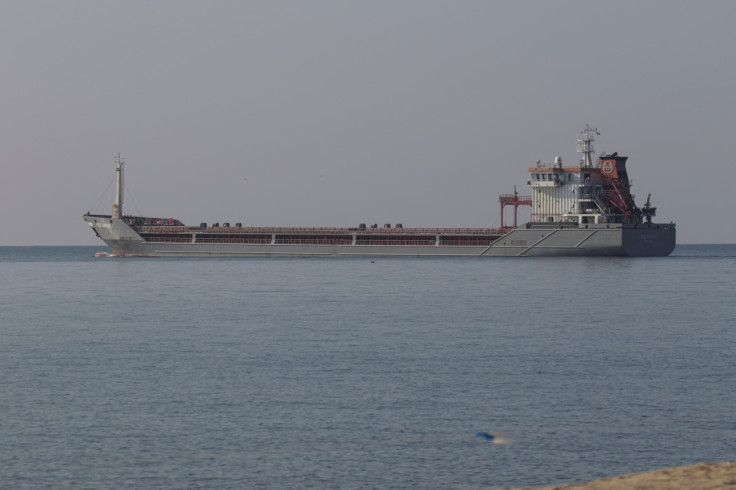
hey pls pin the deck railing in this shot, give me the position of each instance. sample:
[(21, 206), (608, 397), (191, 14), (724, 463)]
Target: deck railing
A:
[(318, 231)]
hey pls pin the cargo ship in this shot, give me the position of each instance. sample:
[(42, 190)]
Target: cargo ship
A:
[(582, 210)]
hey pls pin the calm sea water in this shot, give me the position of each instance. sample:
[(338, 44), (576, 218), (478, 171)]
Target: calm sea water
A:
[(349, 373)]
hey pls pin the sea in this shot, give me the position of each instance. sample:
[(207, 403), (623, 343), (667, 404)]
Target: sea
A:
[(359, 373)]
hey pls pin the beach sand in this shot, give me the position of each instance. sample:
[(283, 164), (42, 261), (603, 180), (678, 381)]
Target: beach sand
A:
[(702, 476)]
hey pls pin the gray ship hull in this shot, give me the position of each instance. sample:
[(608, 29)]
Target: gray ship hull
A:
[(635, 240)]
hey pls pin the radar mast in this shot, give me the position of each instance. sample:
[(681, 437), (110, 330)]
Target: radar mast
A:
[(585, 145)]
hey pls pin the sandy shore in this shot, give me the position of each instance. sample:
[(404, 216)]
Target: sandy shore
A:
[(703, 476)]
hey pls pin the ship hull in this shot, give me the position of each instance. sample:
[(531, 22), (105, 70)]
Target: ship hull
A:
[(634, 240)]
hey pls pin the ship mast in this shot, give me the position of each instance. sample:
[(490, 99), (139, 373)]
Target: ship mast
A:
[(585, 145), (117, 206)]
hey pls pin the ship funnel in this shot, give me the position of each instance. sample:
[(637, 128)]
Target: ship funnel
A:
[(117, 205)]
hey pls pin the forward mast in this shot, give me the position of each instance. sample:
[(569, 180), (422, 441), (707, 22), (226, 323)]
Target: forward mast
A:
[(117, 205)]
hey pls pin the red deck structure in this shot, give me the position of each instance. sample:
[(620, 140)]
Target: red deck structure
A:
[(513, 200)]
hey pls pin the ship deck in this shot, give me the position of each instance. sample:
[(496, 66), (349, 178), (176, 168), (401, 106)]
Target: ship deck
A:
[(318, 230), (321, 235)]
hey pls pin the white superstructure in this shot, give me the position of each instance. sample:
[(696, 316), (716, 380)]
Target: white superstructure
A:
[(591, 192)]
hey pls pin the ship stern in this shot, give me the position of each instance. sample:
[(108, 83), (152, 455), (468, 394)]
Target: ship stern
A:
[(649, 239)]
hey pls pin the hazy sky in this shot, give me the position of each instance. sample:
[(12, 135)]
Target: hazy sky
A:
[(322, 113)]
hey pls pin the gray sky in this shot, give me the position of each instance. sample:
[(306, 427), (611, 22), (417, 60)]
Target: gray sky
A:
[(333, 113)]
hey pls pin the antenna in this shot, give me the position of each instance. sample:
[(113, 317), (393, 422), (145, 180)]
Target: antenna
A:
[(585, 145), (117, 205)]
